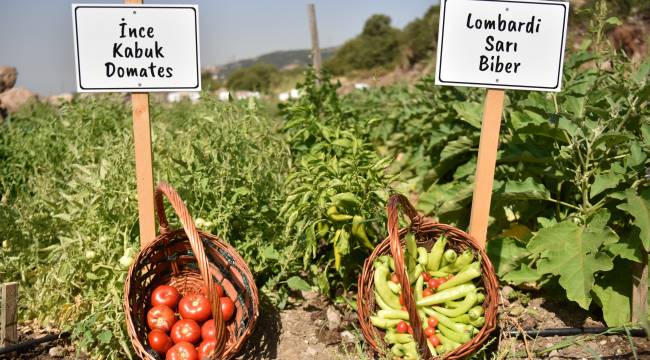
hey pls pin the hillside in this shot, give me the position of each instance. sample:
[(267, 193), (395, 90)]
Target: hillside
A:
[(280, 59)]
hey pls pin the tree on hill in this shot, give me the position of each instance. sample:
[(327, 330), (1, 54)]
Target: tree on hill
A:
[(378, 45), (259, 77), (420, 36)]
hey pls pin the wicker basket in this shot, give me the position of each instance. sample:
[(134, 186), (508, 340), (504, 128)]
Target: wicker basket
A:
[(189, 260), (426, 232)]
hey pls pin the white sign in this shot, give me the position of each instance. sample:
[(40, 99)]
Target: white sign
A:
[(136, 48), (503, 44)]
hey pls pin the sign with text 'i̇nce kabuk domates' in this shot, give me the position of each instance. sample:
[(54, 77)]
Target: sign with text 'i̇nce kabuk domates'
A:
[(139, 48), (502, 44)]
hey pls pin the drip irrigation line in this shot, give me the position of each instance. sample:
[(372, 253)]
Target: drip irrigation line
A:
[(636, 332), (32, 342)]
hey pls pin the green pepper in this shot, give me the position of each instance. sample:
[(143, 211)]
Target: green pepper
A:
[(410, 351), (459, 337), (476, 312), (393, 314), (333, 215), (433, 260), (478, 323), (480, 298), (422, 256), (419, 287), (394, 338), (461, 261), (449, 256), (382, 304), (448, 344), (395, 288), (465, 305), (384, 323), (446, 295), (461, 328), (413, 276), (381, 285), (471, 272), (463, 319), (359, 230)]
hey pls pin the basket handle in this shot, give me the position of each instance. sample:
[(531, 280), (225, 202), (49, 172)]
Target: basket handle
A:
[(398, 255), (197, 247)]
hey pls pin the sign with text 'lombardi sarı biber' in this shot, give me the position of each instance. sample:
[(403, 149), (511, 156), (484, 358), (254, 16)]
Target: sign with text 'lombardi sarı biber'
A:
[(138, 48), (502, 44)]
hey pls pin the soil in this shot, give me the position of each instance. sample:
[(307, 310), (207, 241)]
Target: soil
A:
[(313, 328)]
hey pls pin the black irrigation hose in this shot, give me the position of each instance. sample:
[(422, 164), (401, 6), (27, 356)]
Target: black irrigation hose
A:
[(577, 331), (31, 343)]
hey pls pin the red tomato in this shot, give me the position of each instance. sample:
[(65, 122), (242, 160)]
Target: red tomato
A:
[(429, 331), (161, 317), (410, 330), (159, 341), (402, 327), (165, 295), (219, 290), (182, 351), (394, 278), (427, 292), (432, 322), (433, 283), (426, 276), (208, 330), (434, 340), (443, 280), (403, 308), (207, 347), (227, 308), (195, 307), (186, 330), (449, 277)]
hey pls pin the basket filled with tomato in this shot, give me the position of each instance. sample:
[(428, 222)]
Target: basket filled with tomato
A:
[(428, 291), (188, 294)]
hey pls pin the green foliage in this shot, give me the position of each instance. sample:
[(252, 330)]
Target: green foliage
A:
[(336, 190), (68, 213), (259, 77), (420, 35), (377, 46)]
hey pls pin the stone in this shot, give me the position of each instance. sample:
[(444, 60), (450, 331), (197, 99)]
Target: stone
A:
[(348, 337), (333, 318), (311, 351), (506, 291), (13, 99), (57, 352), (8, 77), (554, 353)]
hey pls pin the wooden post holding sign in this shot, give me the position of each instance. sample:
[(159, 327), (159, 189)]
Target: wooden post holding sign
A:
[(8, 313), (138, 49), (315, 46), (499, 44)]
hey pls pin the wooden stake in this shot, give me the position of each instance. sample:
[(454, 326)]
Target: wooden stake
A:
[(143, 166), (143, 161), (8, 313), (313, 29), (640, 290), (487, 157)]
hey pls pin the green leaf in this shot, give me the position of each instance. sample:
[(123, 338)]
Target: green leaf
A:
[(629, 247), (105, 336), (505, 254), (469, 112), (639, 207), (296, 283), (522, 275), (613, 293), (641, 75), (603, 182), (525, 190), (613, 21), (456, 147), (637, 155), (572, 252)]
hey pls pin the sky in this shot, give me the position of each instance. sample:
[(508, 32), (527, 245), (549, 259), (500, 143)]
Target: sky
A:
[(37, 34)]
